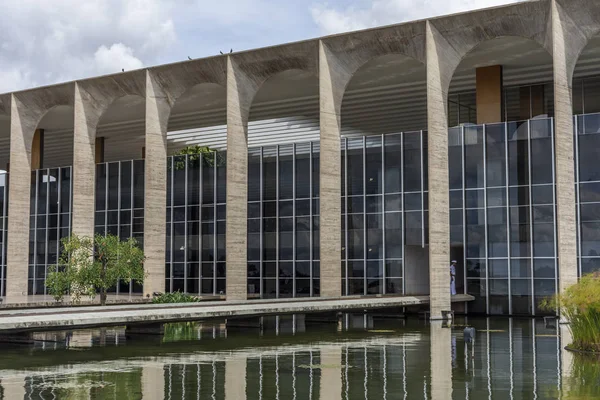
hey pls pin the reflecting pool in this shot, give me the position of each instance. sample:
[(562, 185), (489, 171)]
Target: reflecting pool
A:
[(294, 357)]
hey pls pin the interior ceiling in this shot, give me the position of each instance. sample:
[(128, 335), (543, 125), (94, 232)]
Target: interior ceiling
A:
[(387, 94)]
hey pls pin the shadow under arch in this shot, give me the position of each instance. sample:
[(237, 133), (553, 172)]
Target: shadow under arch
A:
[(122, 125), (198, 117), (57, 140)]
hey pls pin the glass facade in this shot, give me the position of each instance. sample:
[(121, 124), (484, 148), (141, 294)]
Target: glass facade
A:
[(3, 229), (50, 221), (195, 248), (283, 221), (587, 142), (120, 205), (502, 213), (384, 209)]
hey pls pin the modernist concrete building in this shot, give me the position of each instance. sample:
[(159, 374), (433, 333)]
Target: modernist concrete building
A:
[(359, 163)]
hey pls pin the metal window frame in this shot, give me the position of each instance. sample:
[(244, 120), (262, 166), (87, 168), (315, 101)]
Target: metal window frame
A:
[(529, 149), (578, 191), (508, 233), (383, 225), (364, 213)]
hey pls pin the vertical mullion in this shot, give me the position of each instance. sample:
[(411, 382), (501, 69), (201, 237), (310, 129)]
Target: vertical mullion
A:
[(578, 193), (346, 209), (132, 207), (35, 237), (311, 227), (215, 218), (118, 288), (294, 220), (47, 171), (554, 207), (531, 301), (485, 217), (403, 213), (200, 235), (4, 224), (364, 189), (172, 172), (277, 222), (383, 256), (185, 227), (422, 192), (262, 223), (464, 210), (508, 233)]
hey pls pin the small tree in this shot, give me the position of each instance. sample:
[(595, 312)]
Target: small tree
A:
[(91, 266)]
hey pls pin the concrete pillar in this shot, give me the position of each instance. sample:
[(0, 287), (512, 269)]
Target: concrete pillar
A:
[(331, 92), (13, 388), (331, 373), (240, 90), (158, 110), (84, 163), (22, 128), (564, 40), (438, 80), (441, 361), (489, 94), (235, 378), (153, 382)]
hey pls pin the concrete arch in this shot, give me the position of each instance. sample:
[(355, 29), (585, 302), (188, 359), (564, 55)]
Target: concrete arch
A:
[(176, 80), (348, 54), (455, 36), (251, 70), (576, 23)]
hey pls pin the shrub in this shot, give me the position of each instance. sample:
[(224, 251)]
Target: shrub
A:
[(580, 305), (175, 297)]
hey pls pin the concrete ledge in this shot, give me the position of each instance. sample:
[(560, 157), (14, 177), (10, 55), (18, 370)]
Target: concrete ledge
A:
[(73, 318)]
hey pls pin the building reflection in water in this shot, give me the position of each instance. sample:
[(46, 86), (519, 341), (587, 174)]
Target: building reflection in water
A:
[(356, 359)]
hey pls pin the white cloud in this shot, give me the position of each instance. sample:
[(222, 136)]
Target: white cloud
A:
[(51, 41), (109, 60), (365, 14)]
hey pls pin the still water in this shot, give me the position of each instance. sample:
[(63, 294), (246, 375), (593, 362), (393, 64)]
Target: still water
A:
[(360, 357)]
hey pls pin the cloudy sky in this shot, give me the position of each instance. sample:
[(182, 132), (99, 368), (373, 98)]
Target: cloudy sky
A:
[(44, 42)]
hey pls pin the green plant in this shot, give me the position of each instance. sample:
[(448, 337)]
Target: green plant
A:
[(174, 298), (580, 305), (92, 266), (209, 157)]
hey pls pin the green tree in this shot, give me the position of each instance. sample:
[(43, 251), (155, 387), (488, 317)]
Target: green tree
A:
[(90, 266)]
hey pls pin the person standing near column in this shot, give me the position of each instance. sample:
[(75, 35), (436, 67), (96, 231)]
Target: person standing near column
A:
[(453, 277)]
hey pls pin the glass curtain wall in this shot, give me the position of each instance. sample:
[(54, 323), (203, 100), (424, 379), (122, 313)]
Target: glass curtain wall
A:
[(195, 248), (384, 208), (587, 143), (120, 205), (502, 202), (586, 103), (283, 221), (3, 229), (50, 221)]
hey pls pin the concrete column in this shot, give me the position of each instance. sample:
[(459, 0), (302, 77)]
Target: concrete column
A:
[(489, 94), (240, 90), (84, 163), (22, 128), (235, 378), (564, 40), (153, 382), (441, 361), (13, 388), (331, 373), (439, 55), (331, 91), (158, 110)]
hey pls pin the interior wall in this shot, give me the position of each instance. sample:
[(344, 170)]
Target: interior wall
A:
[(416, 270)]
